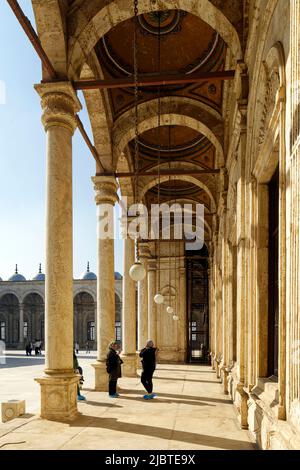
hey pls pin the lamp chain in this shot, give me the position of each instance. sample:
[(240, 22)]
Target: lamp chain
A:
[(136, 138), (159, 142)]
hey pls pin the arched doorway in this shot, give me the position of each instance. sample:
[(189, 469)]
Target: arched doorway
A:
[(9, 320), (34, 318), (197, 305), (84, 320)]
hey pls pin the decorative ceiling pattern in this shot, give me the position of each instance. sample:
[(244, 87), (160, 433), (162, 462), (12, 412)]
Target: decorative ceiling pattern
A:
[(177, 144), (168, 42), (178, 190), (186, 45)]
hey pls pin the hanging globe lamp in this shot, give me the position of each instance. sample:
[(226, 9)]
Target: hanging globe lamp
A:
[(137, 272)]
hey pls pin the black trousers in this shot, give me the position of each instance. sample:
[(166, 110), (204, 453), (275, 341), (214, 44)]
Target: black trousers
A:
[(112, 387), (146, 379)]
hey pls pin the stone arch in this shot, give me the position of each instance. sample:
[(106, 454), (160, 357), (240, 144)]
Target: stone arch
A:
[(261, 23), (34, 314), (191, 179), (33, 291), (9, 312), (98, 111), (91, 22), (174, 111), (84, 312), (269, 107), (52, 33), (89, 291), (11, 292)]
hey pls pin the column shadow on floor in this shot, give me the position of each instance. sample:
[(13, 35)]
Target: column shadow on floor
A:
[(178, 397), (198, 371), (166, 400), (168, 434), (186, 380), (104, 405)]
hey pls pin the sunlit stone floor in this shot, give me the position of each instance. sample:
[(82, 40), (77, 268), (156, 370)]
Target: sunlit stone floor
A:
[(190, 412)]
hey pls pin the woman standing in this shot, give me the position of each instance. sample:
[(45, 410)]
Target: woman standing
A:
[(113, 368), (148, 355)]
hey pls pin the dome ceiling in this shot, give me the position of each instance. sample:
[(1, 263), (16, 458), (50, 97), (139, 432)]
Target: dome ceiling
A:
[(169, 42), (178, 190), (177, 143), (187, 45)]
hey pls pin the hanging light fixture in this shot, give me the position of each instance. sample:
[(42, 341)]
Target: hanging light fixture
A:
[(177, 284), (170, 309), (137, 272), (159, 298)]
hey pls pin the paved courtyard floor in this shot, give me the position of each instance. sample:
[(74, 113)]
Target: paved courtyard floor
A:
[(190, 412)]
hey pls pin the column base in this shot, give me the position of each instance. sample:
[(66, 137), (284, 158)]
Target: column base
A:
[(243, 406), (101, 376), (129, 366), (59, 397), (225, 379)]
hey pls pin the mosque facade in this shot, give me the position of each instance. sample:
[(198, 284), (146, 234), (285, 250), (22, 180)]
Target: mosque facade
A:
[(22, 309)]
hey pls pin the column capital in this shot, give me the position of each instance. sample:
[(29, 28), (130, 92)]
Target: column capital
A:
[(152, 264), (144, 250), (106, 189), (59, 103)]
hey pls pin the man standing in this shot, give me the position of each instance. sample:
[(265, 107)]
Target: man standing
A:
[(113, 368), (148, 355)]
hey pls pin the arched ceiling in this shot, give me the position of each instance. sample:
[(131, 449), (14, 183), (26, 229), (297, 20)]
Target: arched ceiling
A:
[(177, 144), (173, 37), (186, 44), (178, 190)]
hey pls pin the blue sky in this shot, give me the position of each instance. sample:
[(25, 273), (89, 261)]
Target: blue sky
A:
[(22, 163)]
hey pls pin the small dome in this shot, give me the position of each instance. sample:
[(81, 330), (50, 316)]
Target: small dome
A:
[(40, 276), (88, 275), (17, 277), (118, 276)]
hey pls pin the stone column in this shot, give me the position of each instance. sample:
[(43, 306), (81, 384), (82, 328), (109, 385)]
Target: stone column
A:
[(210, 309), (182, 323), (59, 385), (290, 399), (106, 197), (143, 298), (96, 328), (129, 311), (21, 326), (152, 310), (242, 279)]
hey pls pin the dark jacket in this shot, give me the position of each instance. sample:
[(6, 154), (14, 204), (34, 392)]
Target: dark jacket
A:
[(75, 362), (113, 365), (148, 356)]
